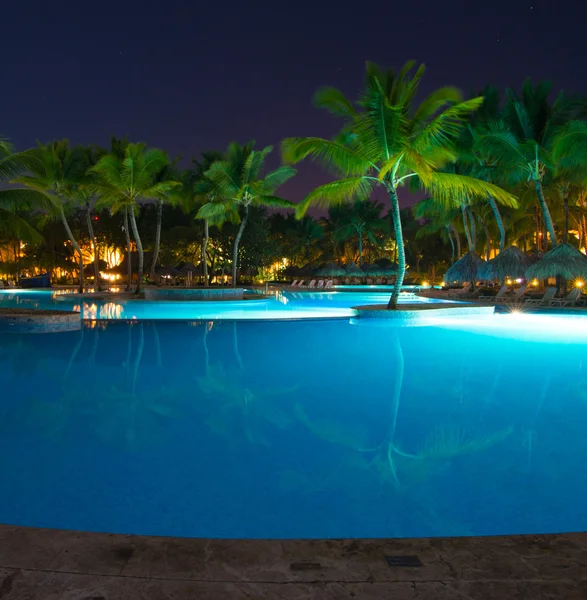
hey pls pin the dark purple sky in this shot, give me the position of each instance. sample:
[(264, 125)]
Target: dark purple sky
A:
[(189, 76)]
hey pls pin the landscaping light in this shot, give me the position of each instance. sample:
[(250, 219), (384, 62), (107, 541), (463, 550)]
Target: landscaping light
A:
[(519, 280), (509, 281), (579, 283), (535, 282)]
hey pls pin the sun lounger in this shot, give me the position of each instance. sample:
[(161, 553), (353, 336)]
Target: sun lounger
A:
[(460, 292), (301, 283), (498, 297), (518, 295), (294, 283), (312, 283), (1, 284), (328, 284), (320, 283), (545, 300), (569, 300)]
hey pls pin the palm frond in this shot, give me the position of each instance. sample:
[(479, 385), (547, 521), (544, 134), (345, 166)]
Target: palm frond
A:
[(333, 155), (335, 102), (274, 202), (337, 192), (14, 225), (452, 190), (434, 102)]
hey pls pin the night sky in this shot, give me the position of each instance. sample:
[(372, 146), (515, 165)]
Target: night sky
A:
[(188, 76)]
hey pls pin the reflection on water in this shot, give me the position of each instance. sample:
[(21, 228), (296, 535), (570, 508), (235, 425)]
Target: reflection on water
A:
[(292, 430)]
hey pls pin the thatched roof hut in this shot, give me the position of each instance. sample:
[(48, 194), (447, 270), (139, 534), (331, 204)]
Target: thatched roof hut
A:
[(564, 260), (512, 262), (185, 268), (351, 270), (465, 269), (331, 270), (166, 271)]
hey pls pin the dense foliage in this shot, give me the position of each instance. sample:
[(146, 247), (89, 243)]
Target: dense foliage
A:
[(496, 172)]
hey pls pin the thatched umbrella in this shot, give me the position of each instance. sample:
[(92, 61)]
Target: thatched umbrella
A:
[(534, 257), (351, 270), (166, 271), (187, 267), (291, 271), (512, 262), (331, 270), (307, 270), (562, 261), (465, 269)]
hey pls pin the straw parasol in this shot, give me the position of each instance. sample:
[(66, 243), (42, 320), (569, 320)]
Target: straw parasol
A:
[(512, 262), (331, 270), (291, 271), (562, 261), (166, 271), (351, 270), (465, 269), (188, 267)]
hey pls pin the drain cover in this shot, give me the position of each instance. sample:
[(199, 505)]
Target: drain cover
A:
[(403, 561)]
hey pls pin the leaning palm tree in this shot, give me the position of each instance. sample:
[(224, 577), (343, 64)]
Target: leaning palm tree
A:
[(239, 182), (122, 182), (388, 140), (57, 170)]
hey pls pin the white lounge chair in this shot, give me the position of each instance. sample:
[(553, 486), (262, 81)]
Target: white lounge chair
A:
[(517, 296), (501, 295), (294, 283), (1, 284), (312, 283), (320, 283), (328, 284), (545, 300), (457, 293), (569, 300)]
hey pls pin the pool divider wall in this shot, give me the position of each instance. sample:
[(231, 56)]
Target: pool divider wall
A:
[(38, 321), (191, 294)]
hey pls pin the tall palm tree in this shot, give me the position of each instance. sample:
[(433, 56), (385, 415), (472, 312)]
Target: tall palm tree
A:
[(201, 191), (239, 182), (122, 182), (521, 142), (361, 219), (17, 200), (170, 174), (388, 140), (57, 170)]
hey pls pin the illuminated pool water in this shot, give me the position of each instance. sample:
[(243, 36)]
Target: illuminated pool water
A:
[(327, 428), (281, 305)]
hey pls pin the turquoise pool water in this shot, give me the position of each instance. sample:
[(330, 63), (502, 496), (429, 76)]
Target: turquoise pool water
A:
[(331, 428), (281, 305)]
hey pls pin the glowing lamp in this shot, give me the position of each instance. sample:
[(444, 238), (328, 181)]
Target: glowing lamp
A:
[(509, 281), (425, 283), (535, 282), (579, 283), (518, 281)]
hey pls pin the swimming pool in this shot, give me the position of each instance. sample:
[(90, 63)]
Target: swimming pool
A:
[(306, 429), (280, 305)]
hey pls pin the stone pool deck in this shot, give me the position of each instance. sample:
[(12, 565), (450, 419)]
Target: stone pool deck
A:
[(47, 564), (24, 320)]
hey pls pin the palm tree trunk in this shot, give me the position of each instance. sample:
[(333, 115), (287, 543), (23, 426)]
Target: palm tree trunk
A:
[(499, 222), (75, 247), (94, 246), (399, 242), (488, 238), (545, 212), (452, 245), (566, 203), (473, 228), (135, 233), (360, 248), (584, 223), (537, 222), (205, 251), (466, 226), (157, 238), (237, 240), (457, 239), (128, 255)]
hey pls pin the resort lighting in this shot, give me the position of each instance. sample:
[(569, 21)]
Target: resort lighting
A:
[(509, 281), (579, 283), (519, 280), (535, 282)]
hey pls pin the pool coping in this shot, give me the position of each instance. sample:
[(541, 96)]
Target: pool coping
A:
[(53, 564)]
